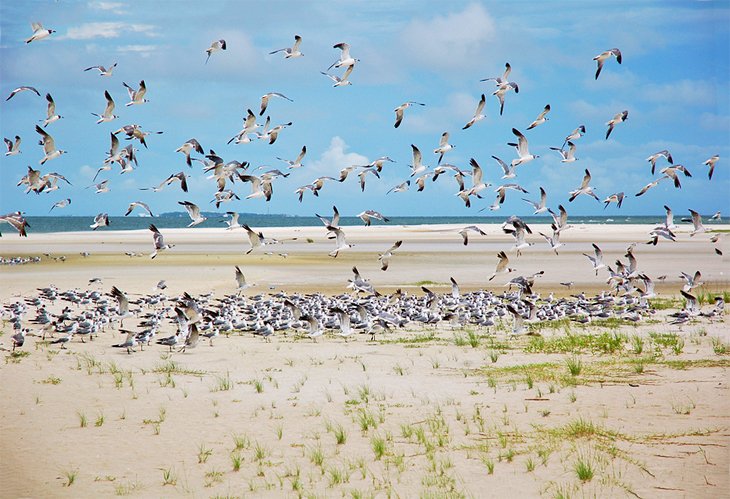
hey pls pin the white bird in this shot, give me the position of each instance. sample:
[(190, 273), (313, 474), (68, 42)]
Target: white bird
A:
[(650, 185), (297, 163), (136, 96), (108, 114), (502, 265), (334, 221), (554, 239), (215, 47), (502, 90), (293, 51), (265, 100), (575, 134), (400, 187), (477, 180), (691, 281), (60, 204), (417, 167), (340, 241), (271, 134), (671, 172), (478, 116), (100, 188), (385, 257), (260, 188), (188, 147), (654, 157), (130, 342), (13, 147), (233, 222), (22, 89), (345, 60), (365, 216), (138, 204), (100, 220), (519, 234), (696, 223), (343, 81), (51, 115), (509, 171), (518, 327), (601, 59), (522, 149), (541, 118), (344, 320), (158, 241), (617, 198), (249, 126), (241, 283), (596, 260), (620, 117), (464, 232), (711, 163), (584, 188), (256, 239), (39, 32), (102, 70), (569, 155), (193, 212), (401, 109), (315, 329), (443, 147), (501, 80), (539, 206)]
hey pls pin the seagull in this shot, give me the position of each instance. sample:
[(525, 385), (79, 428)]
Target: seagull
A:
[(717, 216), (293, 51), (671, 172), (340, 82), (17, 221), (596, 260), (697, 223), (691, 281), (400, 109), (522, 149), (519, 322), (340, 241), (519, 234), (711, 163), (334, 221), (501, 80), (108, 114), (265, 100), (417, 167), (502, 90), (502, 265), (140, 204), (60, 204), (561, 221), (654, 157), (508, 170), (273, 134), (539, 206), (51, 115), (256, 240), (188, 147), (365, 216), (215, 47), (443, 147), (554, 240), (400, 187), (617, 198), (22, 89), (650, 185), (249, 126), (194, 213), (130, 342), (384, 258), (102, 70), (346, 59), (358, 284), (100, 220), (464, 232), (421, 181), (176, 176), (364, 173), (541, 118), (478, 116), (13, 147), (584, 188), (575, 134), (569, 155), (233, 222), (615, 121), (240, 280), (259, 188), (315, 328), (135, 132), (601, 58), (39, 32), (159, 241), (101, 187), (297, 163), (344, 320), (136, 96)]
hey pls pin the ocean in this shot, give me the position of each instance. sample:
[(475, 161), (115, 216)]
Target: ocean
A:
[(181, 220)]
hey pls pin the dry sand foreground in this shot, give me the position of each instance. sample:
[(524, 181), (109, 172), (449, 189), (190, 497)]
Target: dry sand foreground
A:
[(420, 412)]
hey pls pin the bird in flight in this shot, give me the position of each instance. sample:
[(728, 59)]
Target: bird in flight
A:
[(215, 47), (603, 56)]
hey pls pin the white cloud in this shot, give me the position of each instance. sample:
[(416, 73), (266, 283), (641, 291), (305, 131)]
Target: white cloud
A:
[(114, 7), (713, 121), (336, 158), (451, 41), (681, 93), (141, 50), (88, 31), (458, 109)]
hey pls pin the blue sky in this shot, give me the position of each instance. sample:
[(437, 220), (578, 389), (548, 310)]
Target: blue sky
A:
[(673, 81)]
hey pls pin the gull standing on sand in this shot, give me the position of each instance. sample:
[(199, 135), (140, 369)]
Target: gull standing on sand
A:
[(293, 51), (502, 265), (539, 206), (49, 146), (367, 215), (541, 118), (215, 47), (188, 147), (654, 157), (39, 32), (478, 116), (522, 149), (443, 147), (102, 70), (569, 155), (194, 213), (584, 188), (13, 147), (100, 220), (619, 118), (136, 204), (51, 115), (596, 260), (265, 100), (401, 109), (384, 258), (108, 114), (158, 241), (22, 89), (711, 163), (136, 96), (601, 59)]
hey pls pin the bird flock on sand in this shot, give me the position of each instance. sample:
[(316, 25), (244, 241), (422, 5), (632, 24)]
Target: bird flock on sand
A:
[(365, 310)]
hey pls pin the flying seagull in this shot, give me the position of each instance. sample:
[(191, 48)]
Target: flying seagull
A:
[(39, 32), (464, 232), (522, 149), (51, 115), (443, 147), (297, 163), (367, 215), (158, 241), (478, 116), (102, 70), (193, 212), (601, 59), (584, 188), (188, 147), (49, 146), (343, 81), (711, 163), (345, 60), (100, 220), (13, 147), (22, 89), (293, 51), (541, 118), (136, 96), (502, 265), (596, 260), (215, 47), (265, 100), (620, 117), (140, 204), (401, 109), (108, 114), (569, 155), (617, 198), (384, 258), (654, 157)]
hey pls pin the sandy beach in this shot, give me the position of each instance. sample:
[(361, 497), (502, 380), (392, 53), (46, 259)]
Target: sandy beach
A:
[(607, 409)]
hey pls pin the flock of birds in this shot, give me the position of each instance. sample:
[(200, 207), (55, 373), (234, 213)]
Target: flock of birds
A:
[(207, 316)]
